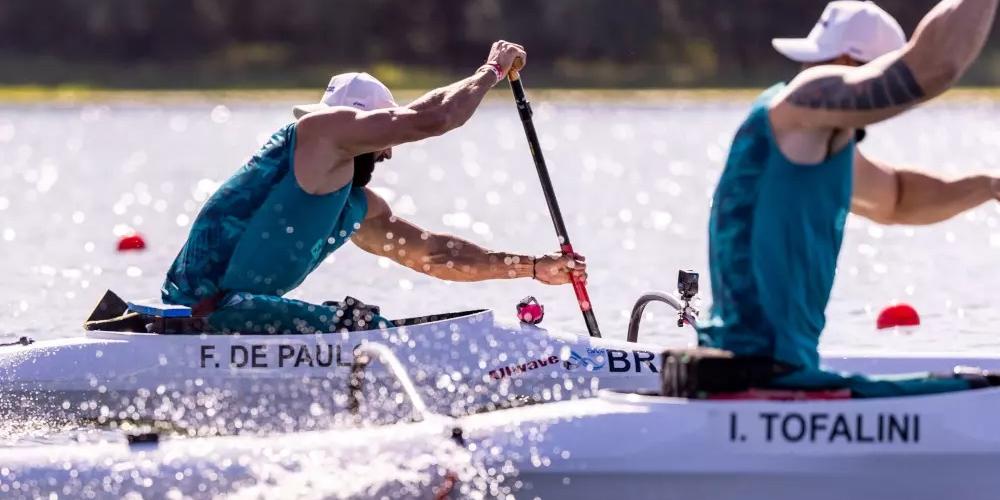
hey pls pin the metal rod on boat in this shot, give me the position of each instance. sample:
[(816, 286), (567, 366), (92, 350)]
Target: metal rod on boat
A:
[(364, 353), (524, 110)]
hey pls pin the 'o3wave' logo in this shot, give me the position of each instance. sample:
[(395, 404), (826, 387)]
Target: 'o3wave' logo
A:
[(594, 360)]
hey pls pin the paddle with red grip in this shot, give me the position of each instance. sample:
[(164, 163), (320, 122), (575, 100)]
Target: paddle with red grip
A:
[(524, 110)]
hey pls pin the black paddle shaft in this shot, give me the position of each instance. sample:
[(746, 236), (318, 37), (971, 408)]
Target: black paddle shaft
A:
[(579, 287)]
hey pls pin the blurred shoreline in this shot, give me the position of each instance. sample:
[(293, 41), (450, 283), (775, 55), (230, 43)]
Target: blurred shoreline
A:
[(37, 94)]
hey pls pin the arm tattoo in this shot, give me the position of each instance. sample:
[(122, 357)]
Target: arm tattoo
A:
[(895, 87)]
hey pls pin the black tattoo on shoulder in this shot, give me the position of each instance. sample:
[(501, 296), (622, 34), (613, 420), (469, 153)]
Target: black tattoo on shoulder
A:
[(896, 87)]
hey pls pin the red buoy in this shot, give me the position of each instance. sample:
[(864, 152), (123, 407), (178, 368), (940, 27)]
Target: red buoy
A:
[(131, 242), (897, 315)]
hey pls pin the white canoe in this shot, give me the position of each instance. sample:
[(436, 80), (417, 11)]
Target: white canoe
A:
[(462, 364), (917, 447), (616, 444), (413, 461)]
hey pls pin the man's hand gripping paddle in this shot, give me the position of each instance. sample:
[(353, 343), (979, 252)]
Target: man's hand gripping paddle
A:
[(524, 110)]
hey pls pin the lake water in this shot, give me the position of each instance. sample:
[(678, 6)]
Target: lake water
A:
[(634, 181)]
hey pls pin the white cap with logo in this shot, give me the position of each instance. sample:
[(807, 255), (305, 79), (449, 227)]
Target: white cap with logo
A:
[(357, 90), (861, 30)]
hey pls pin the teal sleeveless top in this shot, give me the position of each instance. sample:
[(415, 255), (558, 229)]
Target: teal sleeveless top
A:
[(260, 232), (774, 235)]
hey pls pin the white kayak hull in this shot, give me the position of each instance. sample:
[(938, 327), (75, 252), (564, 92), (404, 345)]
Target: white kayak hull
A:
[(917, 447), (413, 462), (617, 444), (461, 365)]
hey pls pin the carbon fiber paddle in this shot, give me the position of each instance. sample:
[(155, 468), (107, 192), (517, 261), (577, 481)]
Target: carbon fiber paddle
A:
[(524, 110)]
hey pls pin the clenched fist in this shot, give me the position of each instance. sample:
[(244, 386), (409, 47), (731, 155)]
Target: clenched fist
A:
[(556, 268), (505, 54)]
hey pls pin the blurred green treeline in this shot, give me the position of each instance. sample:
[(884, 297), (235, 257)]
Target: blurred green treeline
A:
[(178, 44)]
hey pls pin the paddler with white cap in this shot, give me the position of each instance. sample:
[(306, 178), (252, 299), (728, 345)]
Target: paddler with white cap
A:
[(303, 195), (794, 173)]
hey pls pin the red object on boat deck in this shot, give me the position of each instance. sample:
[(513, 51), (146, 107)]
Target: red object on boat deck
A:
[(131, 242), (530, 311), (897, 315)]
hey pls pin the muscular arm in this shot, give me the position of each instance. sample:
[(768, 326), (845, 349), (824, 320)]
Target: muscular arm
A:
[(894, 195), (945, 44), (438, 255), (352, 132), (451, 258), (328, 140)]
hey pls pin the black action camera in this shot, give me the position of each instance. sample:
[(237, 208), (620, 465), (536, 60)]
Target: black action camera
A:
[(687, 284)]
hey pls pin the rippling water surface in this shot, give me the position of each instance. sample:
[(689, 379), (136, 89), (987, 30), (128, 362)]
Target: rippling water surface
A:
[(634, 182)]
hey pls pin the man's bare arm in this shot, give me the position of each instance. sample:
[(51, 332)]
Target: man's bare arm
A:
[(889, 194), (352, 132), (945, 44), (451, 258)]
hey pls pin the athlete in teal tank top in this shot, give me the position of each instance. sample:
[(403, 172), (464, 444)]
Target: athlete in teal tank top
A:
[(303, 196), (257, 237), (775, 232), (794, 172)]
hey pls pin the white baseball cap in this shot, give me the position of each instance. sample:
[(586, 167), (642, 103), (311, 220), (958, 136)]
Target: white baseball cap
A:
[(357, 90), (861, 30)]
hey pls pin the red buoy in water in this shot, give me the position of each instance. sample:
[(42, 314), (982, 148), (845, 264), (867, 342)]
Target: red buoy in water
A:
[(131, 242), (897, 315)]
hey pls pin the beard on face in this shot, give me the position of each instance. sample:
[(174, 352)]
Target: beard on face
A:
[(364, 165)]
